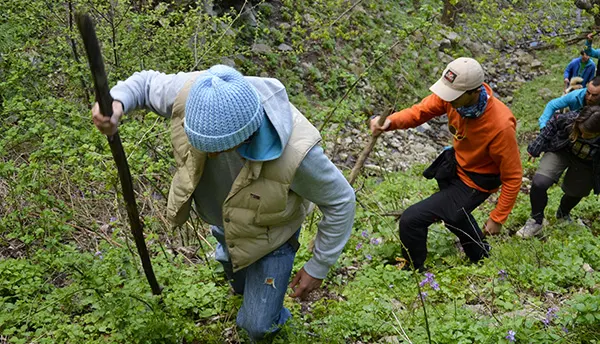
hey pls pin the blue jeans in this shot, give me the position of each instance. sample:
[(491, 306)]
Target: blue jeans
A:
[(263, 284)]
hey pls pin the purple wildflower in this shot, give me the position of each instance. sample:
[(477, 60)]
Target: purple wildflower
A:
[(511, 336), (369, 257), (565, 330), (375, 241), (359, 246), (550, 315), (502, 275), (423, 295), (364, 234), (112, 219), (99, 255), (429, 279)]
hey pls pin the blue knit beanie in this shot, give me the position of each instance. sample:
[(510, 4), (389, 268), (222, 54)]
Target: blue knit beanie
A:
[(222, 110)]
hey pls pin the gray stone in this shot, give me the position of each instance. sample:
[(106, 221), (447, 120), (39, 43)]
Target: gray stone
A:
[(308, 18), (536, 63), (228, 62), (452, 36), (306, 65), (444, 58), (546, 93), (444, 44), (524, 59), (284, 47), (475, 48), (423, 127), (261, 48), (239, 59)]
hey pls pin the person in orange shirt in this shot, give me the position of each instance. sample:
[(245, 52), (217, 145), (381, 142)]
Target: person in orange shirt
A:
[(484, 157)]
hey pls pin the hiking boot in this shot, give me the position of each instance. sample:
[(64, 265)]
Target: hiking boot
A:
[(530, 229), (564, 219)]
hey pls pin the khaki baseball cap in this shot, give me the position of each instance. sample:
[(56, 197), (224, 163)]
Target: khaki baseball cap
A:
[(461, 75)]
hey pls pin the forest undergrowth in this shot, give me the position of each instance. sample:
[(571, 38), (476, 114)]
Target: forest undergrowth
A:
[(69, 272)]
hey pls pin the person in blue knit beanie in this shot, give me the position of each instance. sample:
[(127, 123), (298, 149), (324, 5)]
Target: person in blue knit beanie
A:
[(252, 166)]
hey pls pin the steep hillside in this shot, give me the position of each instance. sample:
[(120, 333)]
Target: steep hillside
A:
[(69, 272)]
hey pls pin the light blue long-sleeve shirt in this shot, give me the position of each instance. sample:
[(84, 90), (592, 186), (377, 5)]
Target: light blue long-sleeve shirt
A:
[(316, 179), (574, 100), (591, 52)]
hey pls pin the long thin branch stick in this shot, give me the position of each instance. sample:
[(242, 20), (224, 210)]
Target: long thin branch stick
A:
[(365, 153)]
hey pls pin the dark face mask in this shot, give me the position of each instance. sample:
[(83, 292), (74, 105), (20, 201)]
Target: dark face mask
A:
[(477, 109)]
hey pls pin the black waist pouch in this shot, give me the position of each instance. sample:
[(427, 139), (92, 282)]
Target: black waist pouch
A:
[(487, 181), (444, 168)]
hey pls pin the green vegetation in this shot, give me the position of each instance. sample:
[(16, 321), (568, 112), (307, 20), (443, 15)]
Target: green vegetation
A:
[(69, 274)]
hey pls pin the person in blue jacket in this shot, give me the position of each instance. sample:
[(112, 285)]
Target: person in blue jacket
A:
[(580, 66), (574, 100)]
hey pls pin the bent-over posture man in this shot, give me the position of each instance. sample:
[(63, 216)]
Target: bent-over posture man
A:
[(574, 100), (571, 142), (251, 162), (484, 157)]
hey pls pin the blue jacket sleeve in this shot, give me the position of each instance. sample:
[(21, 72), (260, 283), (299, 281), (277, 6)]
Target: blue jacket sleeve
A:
[(568, 100), (571, 69), (591, 51)]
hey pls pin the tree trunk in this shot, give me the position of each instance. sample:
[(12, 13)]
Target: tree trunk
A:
[(449, 12)]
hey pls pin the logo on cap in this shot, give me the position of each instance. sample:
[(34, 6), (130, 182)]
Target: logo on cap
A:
[(450, 76)]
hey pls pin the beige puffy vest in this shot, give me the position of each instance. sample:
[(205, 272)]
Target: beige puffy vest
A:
[(260, 212)]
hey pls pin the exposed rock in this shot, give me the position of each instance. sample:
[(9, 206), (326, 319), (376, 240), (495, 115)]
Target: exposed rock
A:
[(284, 47), (308, 18), (423, 127), (228, 62), (475, 48), (444, 58), (536, 64), (523, 58), (239, 59), (375, 168), (452, 36), (260, 48), (546, 93), (444, 44)]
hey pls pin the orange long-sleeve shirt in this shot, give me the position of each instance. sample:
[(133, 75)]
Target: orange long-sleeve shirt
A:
[(489, 144)]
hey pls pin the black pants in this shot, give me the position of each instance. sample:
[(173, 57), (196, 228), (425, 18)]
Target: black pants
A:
[(453, 204)]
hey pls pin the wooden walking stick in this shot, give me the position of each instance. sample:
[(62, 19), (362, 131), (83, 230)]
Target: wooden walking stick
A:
[(92, 48), (366, 151)]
